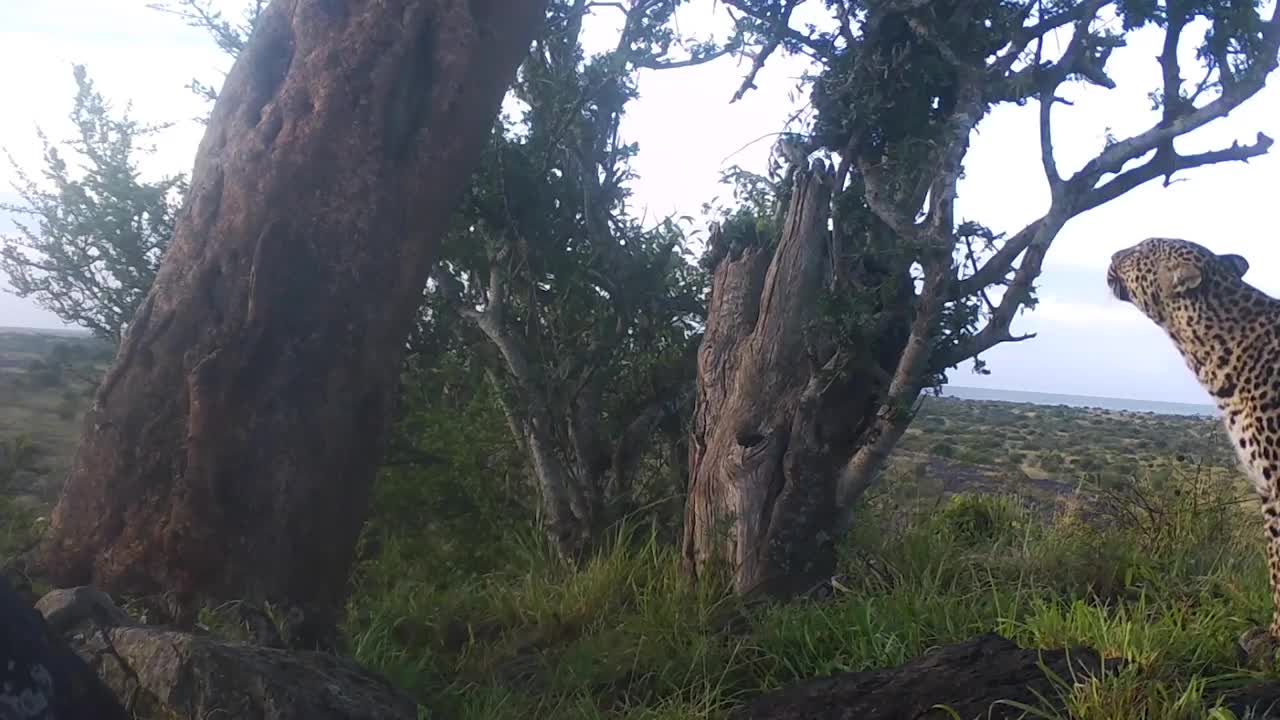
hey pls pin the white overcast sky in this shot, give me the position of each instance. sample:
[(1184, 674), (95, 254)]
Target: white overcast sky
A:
[(1088, 343)]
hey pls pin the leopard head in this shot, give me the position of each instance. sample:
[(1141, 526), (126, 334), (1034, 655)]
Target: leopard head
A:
[(1163, 277)]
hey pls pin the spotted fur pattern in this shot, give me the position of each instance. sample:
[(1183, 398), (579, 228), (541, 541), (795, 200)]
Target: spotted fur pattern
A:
[(1229, 333)]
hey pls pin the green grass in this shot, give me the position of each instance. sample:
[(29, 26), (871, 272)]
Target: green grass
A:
[(630, 636)]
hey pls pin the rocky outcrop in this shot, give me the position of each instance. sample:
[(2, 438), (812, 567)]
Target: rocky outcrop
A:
[(158, 672), (978, 678)]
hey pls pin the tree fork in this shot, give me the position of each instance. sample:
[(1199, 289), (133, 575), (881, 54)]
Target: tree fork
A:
[(231, 450)]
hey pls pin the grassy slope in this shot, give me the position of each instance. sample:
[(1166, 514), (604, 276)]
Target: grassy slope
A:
[(1056, 548)]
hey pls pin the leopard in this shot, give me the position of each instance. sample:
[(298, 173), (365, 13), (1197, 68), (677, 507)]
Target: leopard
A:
[(1228, 332)]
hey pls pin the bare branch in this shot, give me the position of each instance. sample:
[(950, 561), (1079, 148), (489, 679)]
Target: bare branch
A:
[(1034, 241), (1029, 34), (1167, 162), (1078, 59), (985, 340), (1113, 159), (780, 29), (1079, 194), (1038, 236), (1171, 72), (691, 61), (1047, 159)]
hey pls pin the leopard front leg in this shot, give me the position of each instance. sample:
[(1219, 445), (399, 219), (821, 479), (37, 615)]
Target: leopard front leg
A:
[(1272, 513), (1258, 645)]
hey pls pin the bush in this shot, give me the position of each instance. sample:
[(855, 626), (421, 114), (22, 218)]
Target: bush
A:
[(42, 374), (20, 528), (970, 519), (17, 454)]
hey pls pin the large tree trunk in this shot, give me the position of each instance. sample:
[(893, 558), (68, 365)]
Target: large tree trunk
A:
[(791, 422), (231, 448), (759, 496)]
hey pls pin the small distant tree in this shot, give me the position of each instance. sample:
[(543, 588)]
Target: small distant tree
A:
[(91, 230)]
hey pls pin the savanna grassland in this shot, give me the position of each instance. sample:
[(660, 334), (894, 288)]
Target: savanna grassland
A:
[(1129, 533)]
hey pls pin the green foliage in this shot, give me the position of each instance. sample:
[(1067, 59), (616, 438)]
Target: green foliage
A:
[(587, 318), (17, 454), (91, 231), (19, 526), (44, 374), (972, 519), (452, 495)]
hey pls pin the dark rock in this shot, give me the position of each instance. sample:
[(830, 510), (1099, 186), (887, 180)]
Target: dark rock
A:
[(40, 677), (164, 672), (175, 674), (971, 679), (1255, 702), (262, 630), (74, 608)]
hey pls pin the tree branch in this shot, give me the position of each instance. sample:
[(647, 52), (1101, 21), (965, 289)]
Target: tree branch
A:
[(1113, 159), (627, 452), (1167, 162), (998, 265), (1172, 101), (691, 61), (1076, 60), (1037, 237), (1027, 34), (780, 29), (1081, 193), (894, 413)]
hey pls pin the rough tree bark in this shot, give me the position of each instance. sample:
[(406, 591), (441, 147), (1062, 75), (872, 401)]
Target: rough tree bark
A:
[(759, 500), (231, 447)]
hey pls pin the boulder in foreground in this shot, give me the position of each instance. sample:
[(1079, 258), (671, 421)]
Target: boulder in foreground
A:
[(160, 672)]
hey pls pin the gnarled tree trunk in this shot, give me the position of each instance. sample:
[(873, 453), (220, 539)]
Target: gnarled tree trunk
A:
[(231, 448), (761, 498)]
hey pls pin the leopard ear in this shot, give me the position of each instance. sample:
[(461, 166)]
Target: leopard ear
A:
[(1181, 277), (1235, 263)]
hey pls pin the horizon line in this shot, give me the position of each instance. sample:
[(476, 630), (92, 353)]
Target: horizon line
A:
[(1075, 395)]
